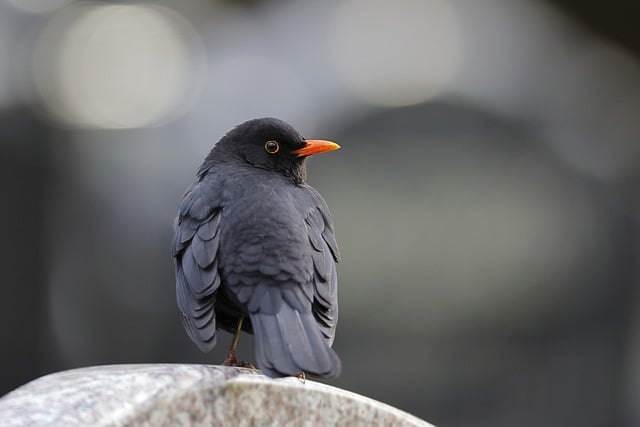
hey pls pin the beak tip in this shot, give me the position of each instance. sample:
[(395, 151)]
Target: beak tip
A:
[(316, 146)]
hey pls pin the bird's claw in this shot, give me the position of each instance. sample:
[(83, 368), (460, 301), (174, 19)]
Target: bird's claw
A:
[(233, 361), (249, 365)]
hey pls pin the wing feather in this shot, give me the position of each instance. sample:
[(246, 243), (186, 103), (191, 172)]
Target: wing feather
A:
[(325, 255), (195, 251)]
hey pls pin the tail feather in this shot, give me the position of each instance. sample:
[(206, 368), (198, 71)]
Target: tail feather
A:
[(275, 352), (290, 342)]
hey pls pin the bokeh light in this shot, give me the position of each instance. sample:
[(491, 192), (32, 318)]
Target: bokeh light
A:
[(594, 124), (582, 90), (395, 53), (116, 66)]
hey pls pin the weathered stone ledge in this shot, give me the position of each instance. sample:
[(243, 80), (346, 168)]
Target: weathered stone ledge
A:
[(177, 394)]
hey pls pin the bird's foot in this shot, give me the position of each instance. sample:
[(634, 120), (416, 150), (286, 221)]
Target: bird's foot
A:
[(301, 376), (232, 360)]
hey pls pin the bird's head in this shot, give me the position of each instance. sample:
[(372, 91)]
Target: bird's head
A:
[(269, 144)]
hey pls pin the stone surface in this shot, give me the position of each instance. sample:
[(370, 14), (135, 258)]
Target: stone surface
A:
[(164, 394)]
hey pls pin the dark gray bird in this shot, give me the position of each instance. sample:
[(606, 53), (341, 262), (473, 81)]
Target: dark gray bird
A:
[(254, 242)]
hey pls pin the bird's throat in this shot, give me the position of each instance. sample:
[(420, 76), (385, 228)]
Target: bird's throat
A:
[(297, 172)]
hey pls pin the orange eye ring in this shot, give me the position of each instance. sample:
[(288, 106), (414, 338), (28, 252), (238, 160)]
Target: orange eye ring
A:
[(271, 147)]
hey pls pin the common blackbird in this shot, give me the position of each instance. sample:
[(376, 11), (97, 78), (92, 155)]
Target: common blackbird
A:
[(254, 250)]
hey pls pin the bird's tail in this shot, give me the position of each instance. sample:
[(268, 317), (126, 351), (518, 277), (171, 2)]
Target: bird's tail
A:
[(290, 342)]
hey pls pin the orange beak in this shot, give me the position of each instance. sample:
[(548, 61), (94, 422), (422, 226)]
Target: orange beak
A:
[(316, 146)]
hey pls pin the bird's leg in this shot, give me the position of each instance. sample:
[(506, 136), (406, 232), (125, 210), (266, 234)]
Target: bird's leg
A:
[(231, 359)]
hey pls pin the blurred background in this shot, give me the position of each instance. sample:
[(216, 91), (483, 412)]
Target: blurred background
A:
[(486, 197)]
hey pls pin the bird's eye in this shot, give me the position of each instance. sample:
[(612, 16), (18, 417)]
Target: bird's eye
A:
[(272, 147)]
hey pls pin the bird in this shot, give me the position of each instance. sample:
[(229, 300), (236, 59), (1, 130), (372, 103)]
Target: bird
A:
[(254, 249)]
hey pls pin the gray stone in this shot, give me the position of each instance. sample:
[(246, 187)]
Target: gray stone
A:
[(164, 394)]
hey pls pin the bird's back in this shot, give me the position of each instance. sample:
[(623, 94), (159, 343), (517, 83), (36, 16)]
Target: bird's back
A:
[(266, 258)]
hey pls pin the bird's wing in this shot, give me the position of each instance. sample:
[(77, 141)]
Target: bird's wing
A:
[(325, 255), (195, 250)]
